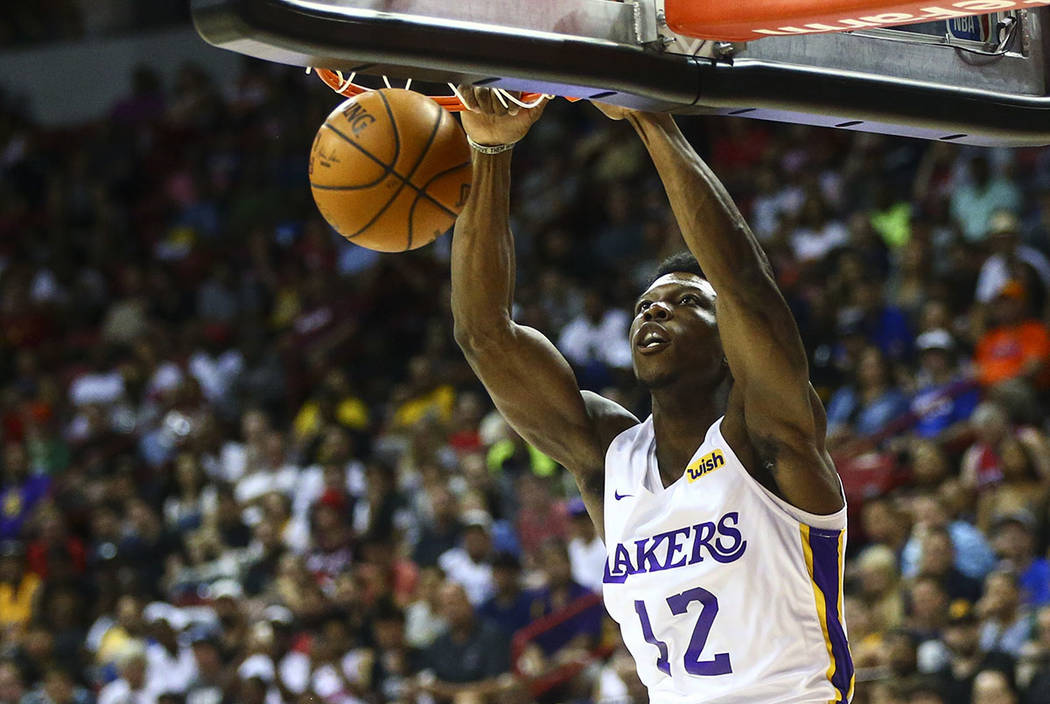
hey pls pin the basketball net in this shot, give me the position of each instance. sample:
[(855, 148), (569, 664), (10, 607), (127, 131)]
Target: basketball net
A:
[(754, 19), (453, 103)]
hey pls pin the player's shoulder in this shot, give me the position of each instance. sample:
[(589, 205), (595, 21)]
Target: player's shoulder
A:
[(610, 419)]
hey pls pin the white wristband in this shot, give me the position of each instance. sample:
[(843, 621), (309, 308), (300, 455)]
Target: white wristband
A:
[(490, 148)]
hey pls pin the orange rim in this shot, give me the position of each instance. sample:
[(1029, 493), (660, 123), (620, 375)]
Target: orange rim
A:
[(452, 103)]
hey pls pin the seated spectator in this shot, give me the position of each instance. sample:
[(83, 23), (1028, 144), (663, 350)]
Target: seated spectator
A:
[(185, 509), (993, 687), (1005, 621), (213, 676), (983, 194), (271, 472), (869, 404), (586, 549), (595, 342), (1014, 543), (982, 463), (942, 401), (509, 607), (471, 660), (170, 666), (441, 530), (20, 491), (470, 564), (973, 554), (58, 686), (1022, 488), (579, 634), (1033, 665), (423, 619), (961, 638), (20, 590), (938, 562), (1012, 261), (335, 401), (131, 686), (540, 516), (927, 608), (12, 685), (882, 325), (880, 587), (394, 662), (421, 396), (1016, 347)]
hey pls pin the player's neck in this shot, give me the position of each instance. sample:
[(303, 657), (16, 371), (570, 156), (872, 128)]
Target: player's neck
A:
[(681, 417)]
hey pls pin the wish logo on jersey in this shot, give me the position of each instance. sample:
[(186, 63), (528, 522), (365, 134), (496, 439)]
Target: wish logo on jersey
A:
[(719, 541), (705, 465)]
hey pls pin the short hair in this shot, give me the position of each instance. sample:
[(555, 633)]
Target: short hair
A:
[(682, 261)]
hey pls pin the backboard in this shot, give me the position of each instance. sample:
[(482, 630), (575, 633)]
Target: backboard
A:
[(978, 81)]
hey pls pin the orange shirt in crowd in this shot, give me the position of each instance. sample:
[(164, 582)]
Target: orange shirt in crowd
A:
[(1004, 352)]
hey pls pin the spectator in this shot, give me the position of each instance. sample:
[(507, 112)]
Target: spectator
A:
[(586, 549), (19, 590), (540, 516), (395, 662), (1016, 347), (1012, 261), (974, 202), (943, 402), (470, 564), (595, 341), (938, 562), (470, 660), (1015, 545), (509, 607), (442, 532), (567, 639), (1033, 666), (867, 406), (131, 687), (1006, 623), (20, 491), (962, 640), (973, 554), (423, 619), (993, 687), (57, 687), (169, 665)]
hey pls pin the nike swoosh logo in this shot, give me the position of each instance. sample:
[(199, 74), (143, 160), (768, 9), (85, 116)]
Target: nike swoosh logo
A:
[(617, 495)]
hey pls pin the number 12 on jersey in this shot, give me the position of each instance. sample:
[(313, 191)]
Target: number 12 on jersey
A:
[(679, 604)]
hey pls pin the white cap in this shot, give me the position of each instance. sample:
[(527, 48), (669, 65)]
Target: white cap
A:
[(939, 339), (163, 611), (226, 587), (257, 666), (475, 517)]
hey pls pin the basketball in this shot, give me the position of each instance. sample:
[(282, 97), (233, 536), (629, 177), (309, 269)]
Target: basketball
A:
[(390, 170)]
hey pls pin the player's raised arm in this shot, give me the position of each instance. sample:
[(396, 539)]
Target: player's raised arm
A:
[(774, 416), (530, 382)]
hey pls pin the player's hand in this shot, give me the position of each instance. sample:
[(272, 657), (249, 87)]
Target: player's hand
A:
[(488, 122), (613, 112)]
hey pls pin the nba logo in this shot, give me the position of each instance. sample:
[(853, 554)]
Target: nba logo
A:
[(705, 465), (976, 28)]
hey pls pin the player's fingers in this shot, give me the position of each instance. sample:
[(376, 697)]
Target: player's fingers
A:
[(466, 95), (483, 96)]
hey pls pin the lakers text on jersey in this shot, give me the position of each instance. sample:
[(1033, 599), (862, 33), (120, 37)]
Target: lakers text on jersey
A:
[(725, 593)]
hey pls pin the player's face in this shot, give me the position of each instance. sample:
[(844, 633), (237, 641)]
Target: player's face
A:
[(674, 331)]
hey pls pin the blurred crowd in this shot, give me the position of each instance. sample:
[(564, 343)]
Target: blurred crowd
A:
[(243, 460), (36, 22)]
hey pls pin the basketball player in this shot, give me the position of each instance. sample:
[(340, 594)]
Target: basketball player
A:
[(722, 514)]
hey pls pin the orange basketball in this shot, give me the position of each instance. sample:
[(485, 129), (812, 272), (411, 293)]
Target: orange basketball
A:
[(390, 170)]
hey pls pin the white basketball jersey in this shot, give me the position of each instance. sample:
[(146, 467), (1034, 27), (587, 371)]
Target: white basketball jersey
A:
[(724, 592)]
